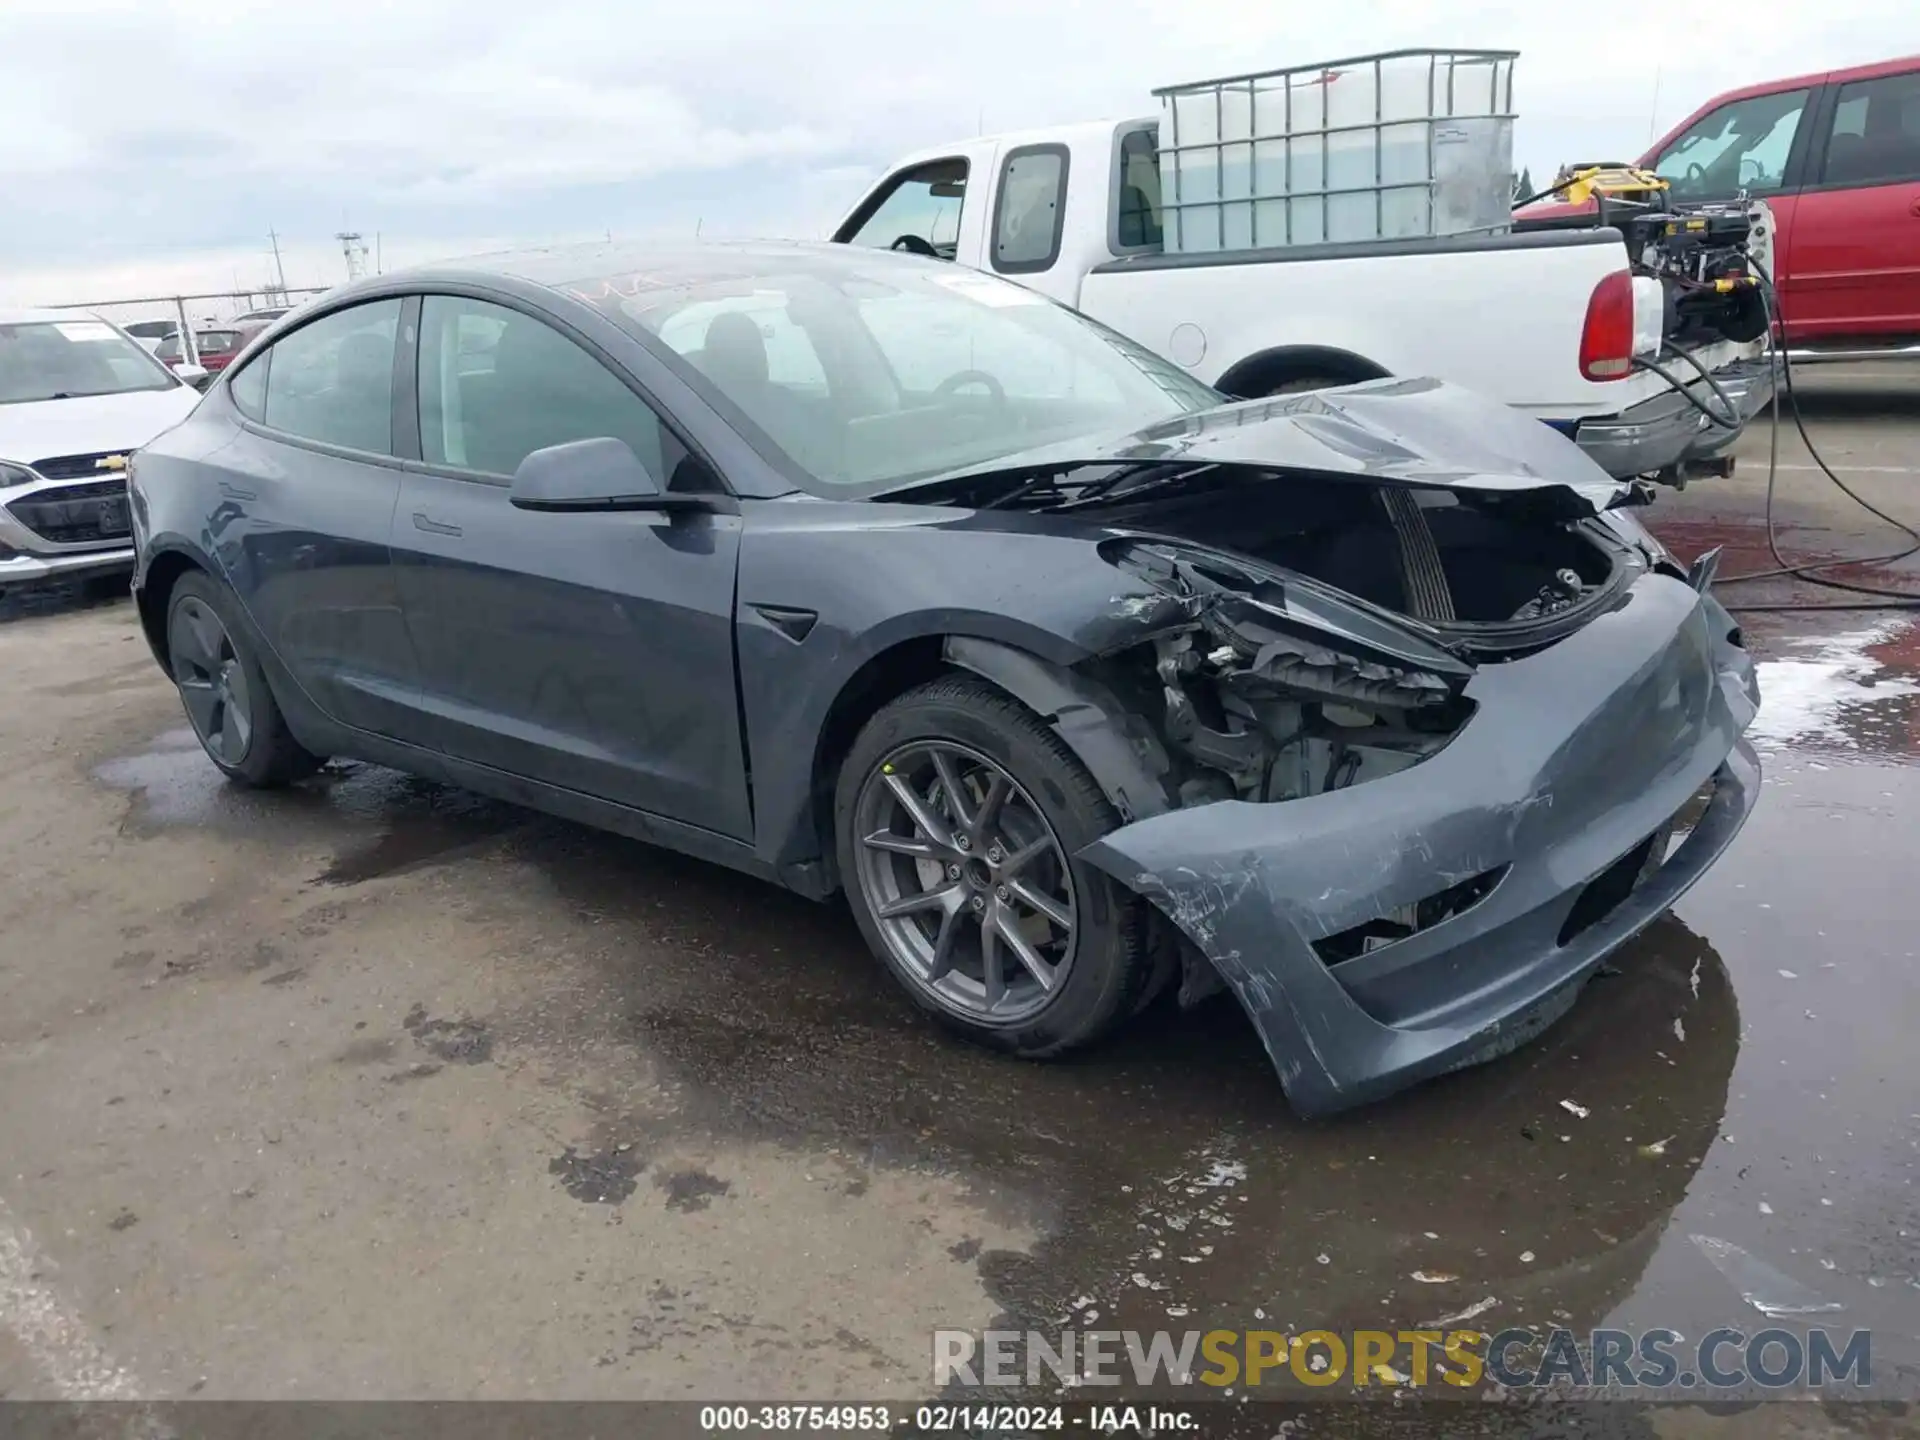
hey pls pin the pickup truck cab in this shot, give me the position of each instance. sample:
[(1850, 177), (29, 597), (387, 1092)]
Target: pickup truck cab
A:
[(1548, 323), (1836, 157)]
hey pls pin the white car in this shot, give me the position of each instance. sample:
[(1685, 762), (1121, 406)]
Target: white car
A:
[(77, 397)]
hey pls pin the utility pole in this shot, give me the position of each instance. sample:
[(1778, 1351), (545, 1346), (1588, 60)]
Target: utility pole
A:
[(279, 271)]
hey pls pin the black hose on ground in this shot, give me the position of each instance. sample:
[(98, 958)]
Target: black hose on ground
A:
[(1884, 597)]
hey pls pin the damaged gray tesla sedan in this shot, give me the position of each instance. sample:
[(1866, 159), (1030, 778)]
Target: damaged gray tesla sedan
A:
[(864, 574)]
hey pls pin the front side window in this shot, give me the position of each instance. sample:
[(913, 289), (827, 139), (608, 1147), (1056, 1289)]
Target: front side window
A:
[(72, 359), (332, 381), (1743, 145), (919, 212), (1030, 209), (1876, 132), (496, 385)]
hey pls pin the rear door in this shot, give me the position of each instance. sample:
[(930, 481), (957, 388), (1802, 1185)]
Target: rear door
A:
[(1853, 266), (593, 652), (307, 491)]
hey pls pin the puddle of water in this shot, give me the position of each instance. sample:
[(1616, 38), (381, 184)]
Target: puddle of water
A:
[(382, 822), (1831, 692), (174, 782)]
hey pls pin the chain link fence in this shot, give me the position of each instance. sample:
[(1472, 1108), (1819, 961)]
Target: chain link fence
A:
[(180, 327)]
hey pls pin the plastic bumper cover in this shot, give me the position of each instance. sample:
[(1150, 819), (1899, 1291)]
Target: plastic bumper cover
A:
[(1576, 758)]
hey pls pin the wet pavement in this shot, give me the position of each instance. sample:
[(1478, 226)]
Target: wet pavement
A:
[(378, 1088)]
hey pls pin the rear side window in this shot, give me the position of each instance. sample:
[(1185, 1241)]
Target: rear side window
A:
[(332, 380), (496, 385), (1030, 209), (1876, 132), (1136, 196), (249, 390), (919, 211)]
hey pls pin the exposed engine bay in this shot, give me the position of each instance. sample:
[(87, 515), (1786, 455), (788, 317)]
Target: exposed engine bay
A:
[(1270, 687)]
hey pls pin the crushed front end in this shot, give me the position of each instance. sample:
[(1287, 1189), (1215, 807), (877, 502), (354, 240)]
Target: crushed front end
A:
[(1406, 855)]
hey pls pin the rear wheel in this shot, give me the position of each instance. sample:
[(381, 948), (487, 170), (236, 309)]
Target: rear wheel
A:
[(225, 693), (958, 813)]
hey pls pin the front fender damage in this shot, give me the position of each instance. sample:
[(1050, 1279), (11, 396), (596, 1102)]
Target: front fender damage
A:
[(1213, 695), (1117, 746)]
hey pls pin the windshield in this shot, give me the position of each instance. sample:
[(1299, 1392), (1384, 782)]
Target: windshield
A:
[(65, 359), (868, 375)]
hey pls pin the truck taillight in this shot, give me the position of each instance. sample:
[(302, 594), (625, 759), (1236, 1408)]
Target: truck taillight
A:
[(1606, 340)]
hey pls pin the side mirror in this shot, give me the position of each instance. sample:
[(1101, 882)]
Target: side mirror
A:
[(194, 375), (598, 474)]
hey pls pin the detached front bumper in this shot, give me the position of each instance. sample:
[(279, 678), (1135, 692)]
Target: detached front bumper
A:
[(1660, 436), (1550, 805)]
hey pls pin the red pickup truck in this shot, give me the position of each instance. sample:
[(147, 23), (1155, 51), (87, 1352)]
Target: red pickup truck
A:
[(1837, 157)]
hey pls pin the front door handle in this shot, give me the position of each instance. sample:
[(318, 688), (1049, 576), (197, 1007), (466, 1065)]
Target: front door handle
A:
[(423, 521), (234, 492), (1914, 208)]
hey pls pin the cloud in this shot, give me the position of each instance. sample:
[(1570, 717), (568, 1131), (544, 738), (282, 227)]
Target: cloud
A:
[(148, 137)]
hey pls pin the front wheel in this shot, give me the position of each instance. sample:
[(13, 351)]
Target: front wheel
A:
[(958, 815), (225, 693)]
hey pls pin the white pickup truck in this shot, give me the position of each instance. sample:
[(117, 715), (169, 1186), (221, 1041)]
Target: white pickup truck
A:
[(1550, 322)]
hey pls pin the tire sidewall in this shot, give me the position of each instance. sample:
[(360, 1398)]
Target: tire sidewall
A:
[(1101, 943)]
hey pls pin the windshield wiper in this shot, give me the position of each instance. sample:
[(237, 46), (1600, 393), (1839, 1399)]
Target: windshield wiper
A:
[(1101, 491), (1025, 488)]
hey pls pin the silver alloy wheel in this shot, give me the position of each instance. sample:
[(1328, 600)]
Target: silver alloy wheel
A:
[(212, 681), (966, 881)]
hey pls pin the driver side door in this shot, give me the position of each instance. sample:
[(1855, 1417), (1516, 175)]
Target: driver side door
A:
[(592, 652)]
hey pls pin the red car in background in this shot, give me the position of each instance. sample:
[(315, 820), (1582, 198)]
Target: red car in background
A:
[(1837, 158), (216, 349)]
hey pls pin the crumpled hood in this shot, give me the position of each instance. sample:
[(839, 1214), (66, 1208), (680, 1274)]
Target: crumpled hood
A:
[(1415, 432), (88, 424)]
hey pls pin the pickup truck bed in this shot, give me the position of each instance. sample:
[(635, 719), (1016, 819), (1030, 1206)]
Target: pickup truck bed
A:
[(1073, 212)]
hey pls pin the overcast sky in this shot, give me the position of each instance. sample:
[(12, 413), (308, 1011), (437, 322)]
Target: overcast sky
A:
[(148, 145)]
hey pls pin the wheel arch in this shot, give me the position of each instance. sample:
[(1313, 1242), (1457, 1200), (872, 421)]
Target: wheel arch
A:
[(876, 682), (1119, 751), (1258, 374), (161, 574), (1122, 754)]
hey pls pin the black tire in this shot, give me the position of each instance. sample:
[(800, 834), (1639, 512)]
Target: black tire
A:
[(1111, 965), (269, 756), (1300, 384)]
